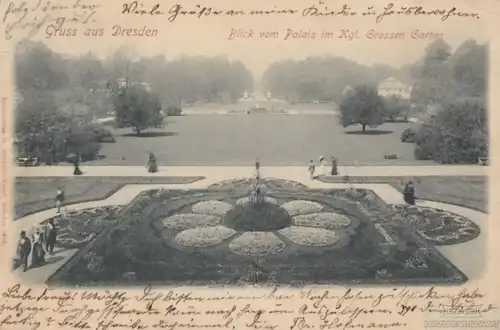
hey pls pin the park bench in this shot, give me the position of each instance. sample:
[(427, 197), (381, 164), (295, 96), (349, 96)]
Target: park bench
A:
[(391, 156), (483, 161), (27, 161)]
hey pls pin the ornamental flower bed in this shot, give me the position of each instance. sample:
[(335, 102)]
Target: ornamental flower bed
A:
[(77, 228), (212, 237), (437, 227)]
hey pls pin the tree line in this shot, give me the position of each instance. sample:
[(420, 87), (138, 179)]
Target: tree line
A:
[(58, 96), (323, 79), (448, 98)]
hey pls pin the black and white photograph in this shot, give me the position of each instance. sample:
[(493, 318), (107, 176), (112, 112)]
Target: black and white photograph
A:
[(270, 169)]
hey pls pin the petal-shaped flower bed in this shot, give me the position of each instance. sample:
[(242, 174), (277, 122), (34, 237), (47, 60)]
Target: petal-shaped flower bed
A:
[(299, 207), (325, 220), (217, 208), (247, 200), (438, 227), (257, 244), (310, 236), (184, 221), (204, 237)]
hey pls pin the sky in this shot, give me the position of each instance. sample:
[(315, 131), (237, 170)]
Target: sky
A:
[(210, 37)]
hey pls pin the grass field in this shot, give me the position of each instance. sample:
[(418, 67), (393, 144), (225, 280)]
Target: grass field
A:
[(37, 194), (276, 139), (469, 191)]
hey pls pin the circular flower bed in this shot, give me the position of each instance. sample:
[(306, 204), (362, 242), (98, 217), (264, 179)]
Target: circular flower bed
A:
[(257, 244), (217, 208), (260, 217), (310, 236), (326, 220), (436, 226), (203, 237), (298, 207), (190, 220), (301, 222)]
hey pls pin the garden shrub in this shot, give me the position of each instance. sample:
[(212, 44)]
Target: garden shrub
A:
[(456, 134), (173, 111), (102, 134)]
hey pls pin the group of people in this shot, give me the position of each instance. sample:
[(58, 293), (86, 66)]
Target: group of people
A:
[(44, 241), (322, 167)]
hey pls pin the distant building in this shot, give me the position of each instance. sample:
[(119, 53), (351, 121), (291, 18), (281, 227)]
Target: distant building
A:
[(393, 87), (347, 89), (122, 83)]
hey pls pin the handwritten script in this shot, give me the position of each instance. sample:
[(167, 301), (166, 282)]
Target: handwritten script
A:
[(319, 9), (31, 16), (27, 308)]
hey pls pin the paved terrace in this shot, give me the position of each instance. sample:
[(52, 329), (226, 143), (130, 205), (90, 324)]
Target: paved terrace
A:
[(218, 173)]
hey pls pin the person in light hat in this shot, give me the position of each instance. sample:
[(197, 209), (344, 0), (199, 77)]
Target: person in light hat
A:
[(322, 165)]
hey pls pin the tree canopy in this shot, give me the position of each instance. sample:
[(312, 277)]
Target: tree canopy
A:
[(363, 106), (450, 88), (137, 108)]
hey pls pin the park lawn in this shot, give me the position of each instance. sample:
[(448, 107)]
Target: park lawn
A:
[(468, 191), (277, 140), (37, 193)]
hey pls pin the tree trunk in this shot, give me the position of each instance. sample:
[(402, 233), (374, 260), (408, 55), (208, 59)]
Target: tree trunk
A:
[(364, 127), (138, 131)]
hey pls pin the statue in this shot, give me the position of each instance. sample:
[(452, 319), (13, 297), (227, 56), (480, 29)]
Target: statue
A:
[(257, 197), (257, 169)]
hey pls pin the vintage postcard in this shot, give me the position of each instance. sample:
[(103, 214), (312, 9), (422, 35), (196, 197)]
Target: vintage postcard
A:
[(249, 164)]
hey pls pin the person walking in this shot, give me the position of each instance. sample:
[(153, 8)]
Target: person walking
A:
[(51, 237), (76, 164), (59, 199), (334, 170), (322, 165), (312, 169), (24, 250), (409, 193), (38, 255), (152, 165)]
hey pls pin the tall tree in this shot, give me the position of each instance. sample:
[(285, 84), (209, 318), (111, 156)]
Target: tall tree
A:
[(363, 106), (137, 108), (37, 67), (433, 81)]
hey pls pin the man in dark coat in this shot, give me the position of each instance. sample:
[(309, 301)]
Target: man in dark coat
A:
[(51, 237), (24, 250), (76, 164), (409, 193), (334, 167)]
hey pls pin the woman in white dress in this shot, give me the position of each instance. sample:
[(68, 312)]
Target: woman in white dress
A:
[(322, 165)]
